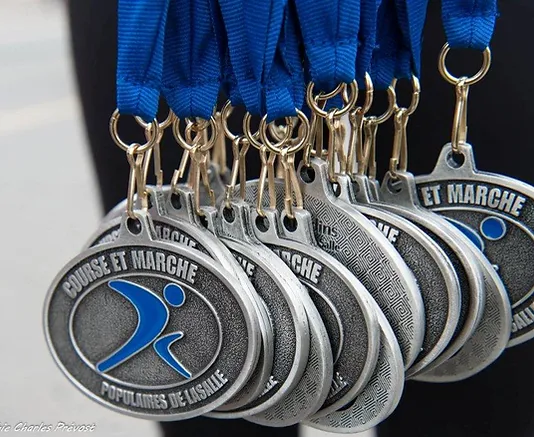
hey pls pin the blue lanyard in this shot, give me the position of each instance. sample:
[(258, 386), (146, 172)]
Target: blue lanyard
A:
[(384, 60), (192, 68), (292, 54), (330, 35), (367, 36), (411, 15), (253, 29), (469, 23), (141, 34)]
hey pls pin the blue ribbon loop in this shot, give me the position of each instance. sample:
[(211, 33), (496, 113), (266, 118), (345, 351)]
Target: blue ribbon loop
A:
[(411, 15), (384, 60), (253, 31), (192, 70), (469, 24), (141, 34), (330, 34)]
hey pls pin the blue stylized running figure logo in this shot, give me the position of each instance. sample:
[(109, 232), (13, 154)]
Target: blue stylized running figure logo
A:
[(491, 228), (153, 317)]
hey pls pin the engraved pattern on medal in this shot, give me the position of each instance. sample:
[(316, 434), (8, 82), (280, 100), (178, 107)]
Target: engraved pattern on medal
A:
[(499, 220), (363, 257), (303, 398), (376, 401), (484, 341)]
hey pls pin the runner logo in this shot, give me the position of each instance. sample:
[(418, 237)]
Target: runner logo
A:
[(152, 319)]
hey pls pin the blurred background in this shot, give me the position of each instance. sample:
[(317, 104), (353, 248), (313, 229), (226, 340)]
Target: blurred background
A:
[(50, 207)]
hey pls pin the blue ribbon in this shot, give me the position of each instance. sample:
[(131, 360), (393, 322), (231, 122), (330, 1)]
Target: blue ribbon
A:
[(253, 30), (411, 15), (367, 37), (469, 23), (384, 60), (192, 70), (141, 34), (292, 55), (330, 34)]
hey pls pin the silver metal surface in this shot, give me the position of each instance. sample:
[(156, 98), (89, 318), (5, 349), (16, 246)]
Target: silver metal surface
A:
[(345, 306), (433, 270), (355, 242), (283, 296), (84, 305), (484, 344), (380, 396), (498, 212), (173, 218), (489, 339)]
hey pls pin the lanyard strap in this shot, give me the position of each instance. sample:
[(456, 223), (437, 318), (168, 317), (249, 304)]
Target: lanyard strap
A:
[(141, 35), (253, 30), (286, 88), (411, 15), (192, 70), (384, 60), (367, 36), (330, 35), (469, 23)]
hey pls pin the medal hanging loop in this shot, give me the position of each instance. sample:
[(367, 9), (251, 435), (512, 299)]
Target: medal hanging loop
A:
[(286, 152), (197, 145), (137, 155), (462, 84), (332, 119), (399, 156), (356, 152), (370, 130), (155, 150)]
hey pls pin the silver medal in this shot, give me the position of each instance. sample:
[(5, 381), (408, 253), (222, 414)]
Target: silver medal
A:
[(343, 303), (496, 213), (282, 293), (434, 272), (380, 396), (354, 241), (173, 218), (137, 325), (487, 340)]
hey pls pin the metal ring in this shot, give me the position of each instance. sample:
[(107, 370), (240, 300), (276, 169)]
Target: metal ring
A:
[(486, 62), (202, 124), (113, 130), (226, 111), (253, 138), (163, 125), (338, 112), (416, 92), (294, 147), (392, 99), (369, 92)]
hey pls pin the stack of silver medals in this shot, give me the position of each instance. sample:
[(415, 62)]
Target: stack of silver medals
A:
[(307, 296)]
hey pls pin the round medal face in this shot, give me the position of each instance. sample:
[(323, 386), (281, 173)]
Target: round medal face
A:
[(342, 301), (434, 272), (311, 391), (468, 267), (497, 214), (380, 396), (351, 239), (281, 292), (290, 329), (189, 235), (468, 273), (489, 339), (144, 328)]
